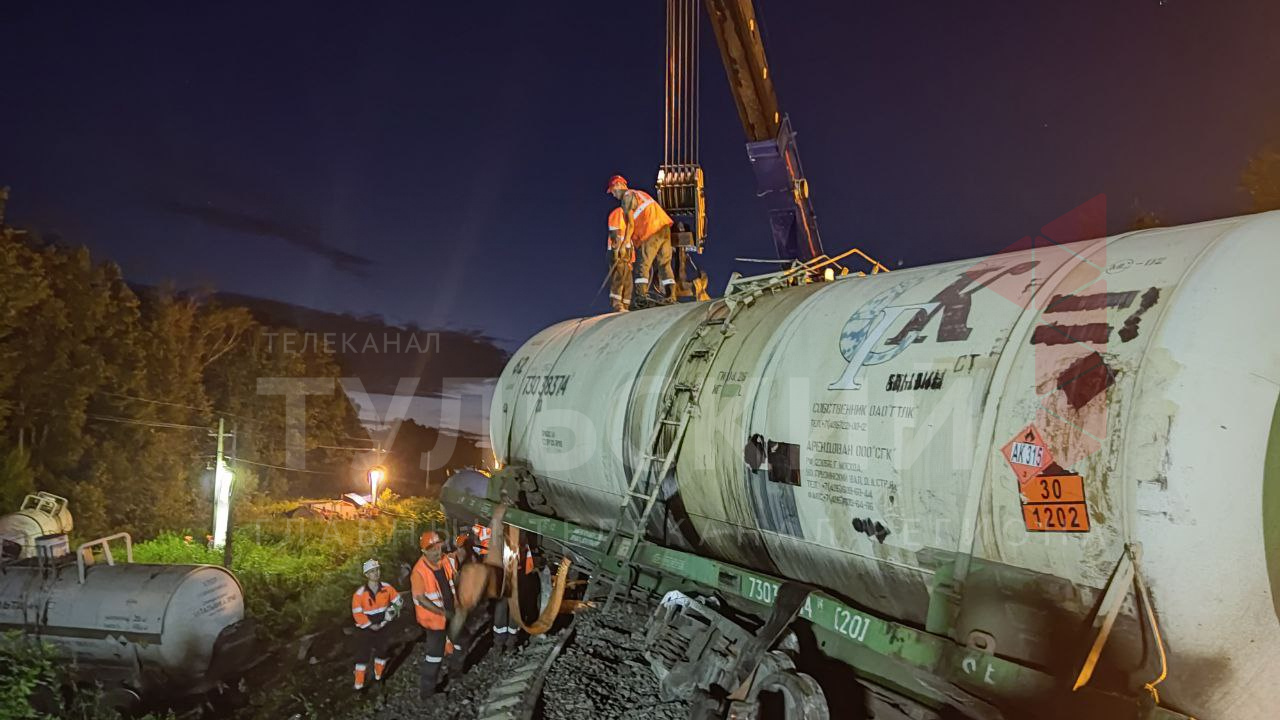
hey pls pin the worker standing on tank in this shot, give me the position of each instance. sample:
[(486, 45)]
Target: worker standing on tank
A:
[(434, 600), (648, 228), (373, 606), (622, 254)]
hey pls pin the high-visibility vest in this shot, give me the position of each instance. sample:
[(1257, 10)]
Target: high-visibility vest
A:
[(423, 582), (369, 607), (616, 229), (483, 534), (647, 216)]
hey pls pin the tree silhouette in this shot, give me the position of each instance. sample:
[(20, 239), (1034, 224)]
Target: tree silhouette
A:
[(1261, 178)]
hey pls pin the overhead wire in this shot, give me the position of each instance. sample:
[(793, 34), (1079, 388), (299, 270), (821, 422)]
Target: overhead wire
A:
[(144, 423), (169, 403), (280, 467)]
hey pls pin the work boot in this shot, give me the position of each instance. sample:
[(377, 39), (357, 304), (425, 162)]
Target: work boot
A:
[(427, 680)]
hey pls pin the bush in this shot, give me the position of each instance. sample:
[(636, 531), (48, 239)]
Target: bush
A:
[(35, 684), (298, 574)]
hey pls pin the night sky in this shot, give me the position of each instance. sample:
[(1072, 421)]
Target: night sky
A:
[(445, 163)]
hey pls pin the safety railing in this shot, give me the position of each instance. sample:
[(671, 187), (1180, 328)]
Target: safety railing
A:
[(105, 542)]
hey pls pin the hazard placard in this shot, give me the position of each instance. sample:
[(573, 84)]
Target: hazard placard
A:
[(1027, 454), (1053, 489), (1056, 517)]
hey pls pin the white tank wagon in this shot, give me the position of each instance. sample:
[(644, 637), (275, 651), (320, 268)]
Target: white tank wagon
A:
[(142, 630), (40, 514), (969, 448)]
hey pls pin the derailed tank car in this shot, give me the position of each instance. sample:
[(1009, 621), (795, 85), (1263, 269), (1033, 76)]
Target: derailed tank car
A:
[(40, 514), (983, 469), (143, 631)]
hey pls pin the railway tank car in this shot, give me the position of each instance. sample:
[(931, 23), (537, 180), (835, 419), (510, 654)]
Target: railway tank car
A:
[(40, 514), (986, 450), (144, 631)]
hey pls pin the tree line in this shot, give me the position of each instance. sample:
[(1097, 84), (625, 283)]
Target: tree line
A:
[(108, 396)]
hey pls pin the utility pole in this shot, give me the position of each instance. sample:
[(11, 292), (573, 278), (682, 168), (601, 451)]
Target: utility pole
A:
[(231, 506), (222, 479)]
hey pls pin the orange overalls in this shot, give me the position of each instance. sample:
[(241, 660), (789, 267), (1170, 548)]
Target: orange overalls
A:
[(620, 261), (368, 609)]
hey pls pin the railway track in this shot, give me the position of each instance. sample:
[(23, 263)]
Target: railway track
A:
[(516, 695)]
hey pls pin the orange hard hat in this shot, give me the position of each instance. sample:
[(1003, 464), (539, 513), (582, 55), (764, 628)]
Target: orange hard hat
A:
[(429, 539), (615, 181)]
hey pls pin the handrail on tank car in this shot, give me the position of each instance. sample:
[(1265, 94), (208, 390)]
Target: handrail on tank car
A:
[(823, 260), (105, 542), (800, 273), (44, 502)]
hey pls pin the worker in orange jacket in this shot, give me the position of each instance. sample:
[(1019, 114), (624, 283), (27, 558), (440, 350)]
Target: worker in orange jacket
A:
[(506, 626), (434, 601), (373, 606), (503, 628), (480, 537), (648, 228), (622, 254)]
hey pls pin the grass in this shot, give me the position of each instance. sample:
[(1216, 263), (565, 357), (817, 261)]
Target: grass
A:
[(298, 574)]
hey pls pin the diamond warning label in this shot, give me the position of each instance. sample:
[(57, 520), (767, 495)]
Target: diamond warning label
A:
[(1027, 454)]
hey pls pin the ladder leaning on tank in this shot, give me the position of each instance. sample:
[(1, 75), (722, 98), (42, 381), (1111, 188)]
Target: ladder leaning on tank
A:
[(681, 396)]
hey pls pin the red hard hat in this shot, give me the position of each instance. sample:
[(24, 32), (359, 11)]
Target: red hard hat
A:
[(429, 538), (614, 182)]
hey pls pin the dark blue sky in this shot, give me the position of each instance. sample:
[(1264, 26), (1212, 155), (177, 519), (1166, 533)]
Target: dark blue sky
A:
[(445, 162)]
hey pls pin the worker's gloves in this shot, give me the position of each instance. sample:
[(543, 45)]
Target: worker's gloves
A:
[(378, 626)]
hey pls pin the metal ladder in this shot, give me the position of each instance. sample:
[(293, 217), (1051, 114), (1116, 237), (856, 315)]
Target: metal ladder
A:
[(680, 404)]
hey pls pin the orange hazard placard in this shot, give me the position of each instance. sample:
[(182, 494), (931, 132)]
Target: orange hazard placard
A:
[(1056, 517), (1053, 489), (1027, 454)]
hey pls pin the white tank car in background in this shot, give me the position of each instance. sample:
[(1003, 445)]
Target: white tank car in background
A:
[(969, 447), (141, 630), (40, 514)]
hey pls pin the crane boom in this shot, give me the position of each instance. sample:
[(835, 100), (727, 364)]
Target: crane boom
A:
[(771, 142), (742, 53)]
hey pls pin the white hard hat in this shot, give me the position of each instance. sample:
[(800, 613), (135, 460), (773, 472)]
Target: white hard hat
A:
[(371, 565)]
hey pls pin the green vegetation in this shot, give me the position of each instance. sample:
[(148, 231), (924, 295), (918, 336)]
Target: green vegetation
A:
[(107, 395), (298, 575), (33, 683)]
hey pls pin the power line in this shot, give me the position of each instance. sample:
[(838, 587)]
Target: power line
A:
[(169, 403), (280, 467), (145, 423), (149, 400)]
